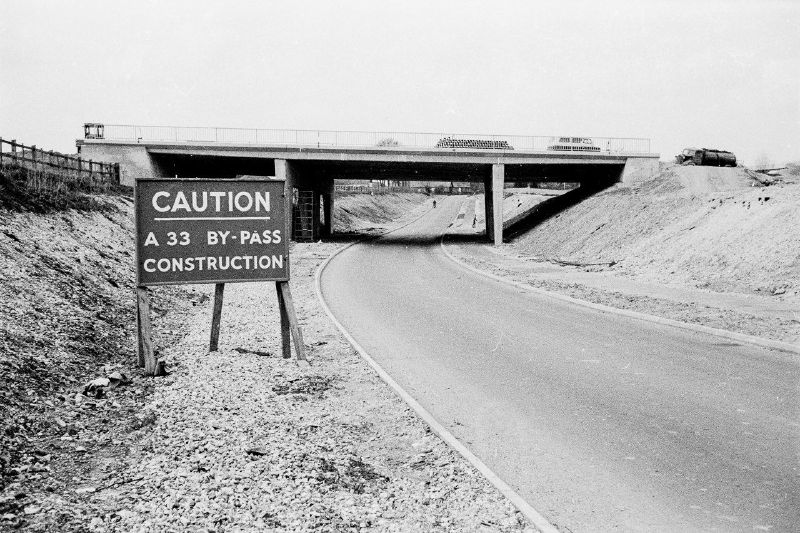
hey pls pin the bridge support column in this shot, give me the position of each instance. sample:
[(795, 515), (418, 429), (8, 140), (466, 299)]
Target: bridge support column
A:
[(314, 201), (285, 170), (493, 203), (487, 207), (327, 208), (316, 219)]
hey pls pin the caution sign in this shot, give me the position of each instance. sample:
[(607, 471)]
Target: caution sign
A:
[(210, 231)]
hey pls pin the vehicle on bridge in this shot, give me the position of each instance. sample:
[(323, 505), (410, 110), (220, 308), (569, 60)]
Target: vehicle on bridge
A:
[(573, 144), (706, 157)]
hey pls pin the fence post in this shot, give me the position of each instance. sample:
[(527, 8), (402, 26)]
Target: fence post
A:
[(33, 155), (116, 173)]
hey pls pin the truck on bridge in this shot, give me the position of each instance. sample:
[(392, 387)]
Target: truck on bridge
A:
[(706, 157)]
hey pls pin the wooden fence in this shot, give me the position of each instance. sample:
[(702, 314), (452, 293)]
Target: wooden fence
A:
[(67, 167)]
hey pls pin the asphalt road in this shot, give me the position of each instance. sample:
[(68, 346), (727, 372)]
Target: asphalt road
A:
[(600, 421)]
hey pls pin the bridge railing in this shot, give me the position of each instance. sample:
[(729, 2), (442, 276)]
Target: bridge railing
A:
[(359, 139)]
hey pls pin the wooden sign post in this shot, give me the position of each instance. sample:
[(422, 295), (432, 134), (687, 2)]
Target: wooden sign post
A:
[(211, 231), (216, 317)]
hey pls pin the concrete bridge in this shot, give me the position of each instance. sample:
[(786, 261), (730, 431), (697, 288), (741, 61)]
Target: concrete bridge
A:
[(311, 161)]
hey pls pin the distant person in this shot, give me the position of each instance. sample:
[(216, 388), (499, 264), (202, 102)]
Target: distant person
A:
[(474, 220), (434, 204)]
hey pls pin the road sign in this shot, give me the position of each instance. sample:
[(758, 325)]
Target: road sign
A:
[(210, 231)]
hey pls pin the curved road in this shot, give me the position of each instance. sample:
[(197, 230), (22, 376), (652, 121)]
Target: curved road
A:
[(601, 422)]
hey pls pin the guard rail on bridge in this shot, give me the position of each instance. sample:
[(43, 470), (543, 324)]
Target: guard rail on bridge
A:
[(358, 139)]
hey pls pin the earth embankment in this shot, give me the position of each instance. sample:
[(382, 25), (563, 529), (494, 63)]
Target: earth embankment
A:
[(239, 439), (704, 245), (359, 212), (706, 227), (67, 319)]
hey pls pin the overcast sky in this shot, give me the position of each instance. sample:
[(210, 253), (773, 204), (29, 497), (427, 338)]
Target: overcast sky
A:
[(715, 74)]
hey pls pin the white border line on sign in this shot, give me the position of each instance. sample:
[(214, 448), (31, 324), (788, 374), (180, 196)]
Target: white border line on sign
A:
[(533, 516)]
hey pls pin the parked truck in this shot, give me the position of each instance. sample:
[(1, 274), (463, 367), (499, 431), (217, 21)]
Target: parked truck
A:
[(706, 157)]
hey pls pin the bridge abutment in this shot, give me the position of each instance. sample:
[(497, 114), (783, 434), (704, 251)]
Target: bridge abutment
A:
[(639, 168), (134, 160)]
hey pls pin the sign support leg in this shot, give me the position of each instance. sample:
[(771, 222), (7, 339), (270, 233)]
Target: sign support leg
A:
[(216, 317), (288, 308), (285, 338), (145, 333), (139, 344)]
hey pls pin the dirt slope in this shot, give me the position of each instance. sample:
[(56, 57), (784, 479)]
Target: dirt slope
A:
[(337, 450), (361, 212), (66, 280), (696, 226), (62, 315)]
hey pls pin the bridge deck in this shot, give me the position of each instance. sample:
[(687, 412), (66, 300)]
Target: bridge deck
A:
[(358, 139), (393, 154), (314, 160)]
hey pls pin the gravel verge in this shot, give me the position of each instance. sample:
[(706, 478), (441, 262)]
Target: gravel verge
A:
[(236, 440), (739, 321), (243, 440)]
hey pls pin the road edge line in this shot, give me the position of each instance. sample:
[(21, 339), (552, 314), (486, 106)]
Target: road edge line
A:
[(730, 335), (531, 514)]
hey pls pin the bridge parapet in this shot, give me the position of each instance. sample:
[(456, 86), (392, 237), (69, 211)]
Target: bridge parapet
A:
[(366, 139)]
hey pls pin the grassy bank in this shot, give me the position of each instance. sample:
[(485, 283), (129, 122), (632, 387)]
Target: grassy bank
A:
[(22, 189)]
